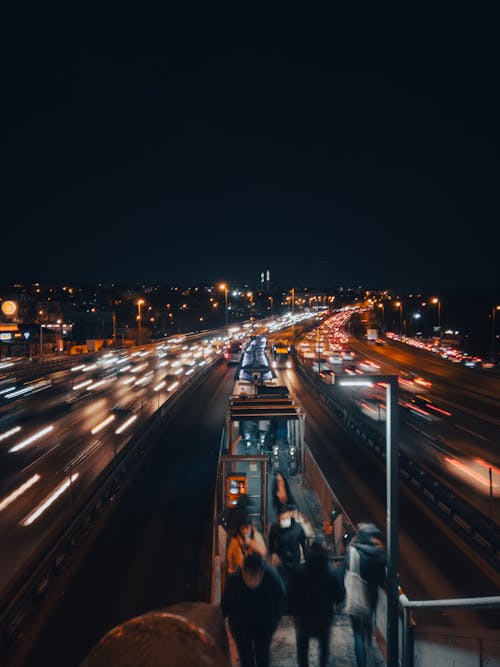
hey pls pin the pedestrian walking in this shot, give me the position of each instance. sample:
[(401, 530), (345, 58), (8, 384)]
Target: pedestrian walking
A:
[(287, 543), (253, 601), (247, 540), (315, 587), (364, 571)]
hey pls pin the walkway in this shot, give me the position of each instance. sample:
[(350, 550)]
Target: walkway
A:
[(283, 649)]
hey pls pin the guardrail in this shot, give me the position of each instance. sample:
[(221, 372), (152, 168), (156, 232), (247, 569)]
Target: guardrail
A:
[(52, 556), (438, 646), (469, 523)]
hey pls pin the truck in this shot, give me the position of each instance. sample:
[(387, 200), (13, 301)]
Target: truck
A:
[(371, 335)]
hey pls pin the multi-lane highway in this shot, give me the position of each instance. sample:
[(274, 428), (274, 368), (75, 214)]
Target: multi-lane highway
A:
[(150, 547), (59, 432)]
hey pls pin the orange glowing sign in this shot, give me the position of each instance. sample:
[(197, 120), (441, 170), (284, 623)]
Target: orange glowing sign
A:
[(9, 307)]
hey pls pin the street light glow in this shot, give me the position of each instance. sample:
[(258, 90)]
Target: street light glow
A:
[(355, 383)]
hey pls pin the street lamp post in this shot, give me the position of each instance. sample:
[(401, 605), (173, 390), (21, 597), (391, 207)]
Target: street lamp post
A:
[(493, 332), (381, 305), (250, 296), (224, 287), (392, 509), (399, 305), (438, 302), (272, 303), (140, 303)]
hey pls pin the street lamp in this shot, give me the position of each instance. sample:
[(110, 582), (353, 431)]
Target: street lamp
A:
[(381, 305), (438, 301), (272, 303), (399, 305), (140, 303), (224, 288), (250, 296), (40, 312), (493, 332), (392, 509)]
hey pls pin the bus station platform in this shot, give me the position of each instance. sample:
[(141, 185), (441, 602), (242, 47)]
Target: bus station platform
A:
[(283, 647)]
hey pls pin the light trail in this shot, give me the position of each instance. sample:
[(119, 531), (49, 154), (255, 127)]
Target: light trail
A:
[(103, 424), (49, 500), (7, 434), (31, 439), (19, 491), (125, 424)]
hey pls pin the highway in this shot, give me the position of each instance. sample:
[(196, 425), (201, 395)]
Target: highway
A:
[(144, 552), (61, 437)]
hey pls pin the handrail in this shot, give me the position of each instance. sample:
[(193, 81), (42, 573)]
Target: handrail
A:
[(491, 602)]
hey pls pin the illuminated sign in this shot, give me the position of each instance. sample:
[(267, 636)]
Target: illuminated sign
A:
[(5, 336), (9, 307)]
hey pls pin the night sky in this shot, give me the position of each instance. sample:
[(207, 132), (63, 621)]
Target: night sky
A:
[(141, 144)]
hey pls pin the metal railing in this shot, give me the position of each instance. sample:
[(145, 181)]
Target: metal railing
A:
[(474, 641)]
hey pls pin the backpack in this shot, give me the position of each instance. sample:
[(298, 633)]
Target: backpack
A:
[(357, 601)]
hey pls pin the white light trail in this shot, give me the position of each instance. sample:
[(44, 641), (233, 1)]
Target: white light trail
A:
[(78, 368), (7, 434), (19, 491), (191, 370), (96, 385), (160, 386), (355, 383), (19, 392), (82, 384), (178, 371), (173, 386), (7, 389), (139, 368), (103, 424), (47, 502), (28, 441), (125, 424), (89, 368)]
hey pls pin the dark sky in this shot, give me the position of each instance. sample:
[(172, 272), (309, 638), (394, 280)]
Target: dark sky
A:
[(146, 145)]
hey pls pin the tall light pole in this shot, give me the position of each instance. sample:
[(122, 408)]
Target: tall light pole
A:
[(224, 287), (381, 305), (140, 303), (40, 312), (438, 302), (272, 303), (392, 499), (399, 304), (493, 332), (250, 296)]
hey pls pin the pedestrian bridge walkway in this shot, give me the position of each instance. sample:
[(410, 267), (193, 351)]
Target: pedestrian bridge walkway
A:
[(283, 648), (284, 653)]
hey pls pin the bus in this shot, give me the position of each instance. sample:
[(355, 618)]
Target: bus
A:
[(281, 355)]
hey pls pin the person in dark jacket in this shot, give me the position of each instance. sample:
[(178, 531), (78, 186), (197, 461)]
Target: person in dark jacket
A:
[(314, 588), (286, 539), (372, 568), (254, 601)]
